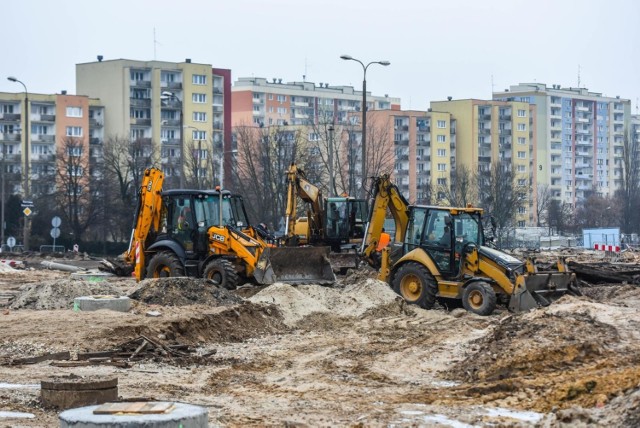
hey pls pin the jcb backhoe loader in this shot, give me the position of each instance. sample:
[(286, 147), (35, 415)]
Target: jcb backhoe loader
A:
[(206, 233), (441, 253), (337, 222)]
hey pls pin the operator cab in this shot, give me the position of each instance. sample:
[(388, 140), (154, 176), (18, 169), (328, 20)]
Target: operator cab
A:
[(443, 233), (345, 220), (190, 214)]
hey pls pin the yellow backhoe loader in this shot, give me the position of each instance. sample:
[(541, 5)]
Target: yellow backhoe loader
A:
[(206, 233), (337, 221), (440, 252)]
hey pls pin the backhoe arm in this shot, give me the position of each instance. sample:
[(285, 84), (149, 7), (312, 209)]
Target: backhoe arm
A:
[(147, 218), (299, 187), (386, 195)]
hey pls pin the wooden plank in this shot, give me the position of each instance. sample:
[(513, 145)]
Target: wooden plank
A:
[(141, 408), (70, 363), (46, 357)]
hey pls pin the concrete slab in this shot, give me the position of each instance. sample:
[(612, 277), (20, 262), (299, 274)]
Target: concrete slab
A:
[(181, 415)]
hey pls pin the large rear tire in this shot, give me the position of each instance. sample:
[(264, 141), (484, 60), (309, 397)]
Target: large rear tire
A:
[(222, 272), (164, 264), (479, 298), (415, 284)]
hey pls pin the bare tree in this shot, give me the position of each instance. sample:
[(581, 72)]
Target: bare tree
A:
[(559, 216), (500, 195), (199, 165), (543, 199), (461, 190), (263, 157), (77, 192), (597, 211)]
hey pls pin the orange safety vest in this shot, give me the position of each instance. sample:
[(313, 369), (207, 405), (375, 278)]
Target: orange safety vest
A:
[(385, 238)]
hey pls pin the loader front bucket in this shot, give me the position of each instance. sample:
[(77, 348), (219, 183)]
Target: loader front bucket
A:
[(294, 265), (541, 288)]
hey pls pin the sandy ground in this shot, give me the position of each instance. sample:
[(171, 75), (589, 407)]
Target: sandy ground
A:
[(351, 355)]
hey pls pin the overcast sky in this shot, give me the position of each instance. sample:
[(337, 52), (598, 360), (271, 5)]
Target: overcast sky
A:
[(458, 48)]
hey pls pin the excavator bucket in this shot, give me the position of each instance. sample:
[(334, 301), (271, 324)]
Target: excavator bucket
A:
[(541, 288), (294, 265)]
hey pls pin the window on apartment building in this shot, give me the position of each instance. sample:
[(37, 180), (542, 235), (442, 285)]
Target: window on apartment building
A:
[(137, 133), (199, 116), (74, 151), (522, 140), (397, 122), (7, 108), (521, 168), (522, 182), (76, 170), (74, 111), (199, 98), (442, 153), (522, 113), (282, 110), (522, 210), (74, 131), (313, 136), (270, 97), (442, 139), (442, 124), (522, 155), (199, 79), (522, 127), (199, 135), (442, 167), (397, 137), (167, 134), (257, 108), (281, 98), (442, 181)]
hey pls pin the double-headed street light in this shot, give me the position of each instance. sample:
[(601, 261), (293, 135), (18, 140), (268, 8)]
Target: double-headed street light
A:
[(364, 114), (167, 95), (27, 222)]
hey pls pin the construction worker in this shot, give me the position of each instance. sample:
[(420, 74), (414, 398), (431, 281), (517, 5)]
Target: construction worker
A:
[(385, 238)]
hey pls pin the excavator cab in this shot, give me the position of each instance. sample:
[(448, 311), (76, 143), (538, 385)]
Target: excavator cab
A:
[(345, 220)]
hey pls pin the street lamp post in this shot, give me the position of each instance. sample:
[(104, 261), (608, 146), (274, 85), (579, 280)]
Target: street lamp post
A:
[(332, 184), (167, 95), (222, 179), (27, 222), (2, 206), (364, 113)]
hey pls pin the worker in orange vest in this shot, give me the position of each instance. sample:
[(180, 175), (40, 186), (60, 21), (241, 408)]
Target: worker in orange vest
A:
[(385, 238)]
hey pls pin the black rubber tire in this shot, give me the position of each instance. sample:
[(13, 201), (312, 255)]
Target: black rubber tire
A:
[(574, 290), (222, 272), (479, 298), (164, 264), (415, 284)]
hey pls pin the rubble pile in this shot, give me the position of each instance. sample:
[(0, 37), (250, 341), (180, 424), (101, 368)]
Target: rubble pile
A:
[(182, 291), (60, 293)]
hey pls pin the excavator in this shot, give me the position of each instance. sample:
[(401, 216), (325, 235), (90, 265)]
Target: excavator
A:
[(207, 234), (338, 221), (442, 253)]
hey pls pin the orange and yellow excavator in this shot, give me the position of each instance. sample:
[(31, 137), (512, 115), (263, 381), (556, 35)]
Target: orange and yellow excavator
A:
[(206, 233), (441, 252)]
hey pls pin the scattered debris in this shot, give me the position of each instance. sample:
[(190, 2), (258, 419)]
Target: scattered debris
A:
[(59, 294)]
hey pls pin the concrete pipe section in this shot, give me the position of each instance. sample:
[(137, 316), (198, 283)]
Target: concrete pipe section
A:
[(66, 392), (136, 415), (94, 303)]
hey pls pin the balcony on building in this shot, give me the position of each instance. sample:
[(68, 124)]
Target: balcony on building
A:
[(484, 117), (43, 117), (95, 123), (140, 102), (10, 116), (484, 159), (46, 138), (140, 83), (217, 89), (258, 100), (11, 136), (484, 131), (505, 117), (95, 140), (505, 132), (141, 121)]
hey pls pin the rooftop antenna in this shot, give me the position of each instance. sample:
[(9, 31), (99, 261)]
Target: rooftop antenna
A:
[(304, 76), (492, 86), (578, 76), (154, 43)]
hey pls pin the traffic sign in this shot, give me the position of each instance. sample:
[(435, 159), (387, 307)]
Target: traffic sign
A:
[(11, 242), (56, 222), (26, 203), (27, 211), (55, 233)]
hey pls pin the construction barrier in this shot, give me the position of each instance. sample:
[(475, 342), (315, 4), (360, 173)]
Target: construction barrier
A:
[(605, 247)]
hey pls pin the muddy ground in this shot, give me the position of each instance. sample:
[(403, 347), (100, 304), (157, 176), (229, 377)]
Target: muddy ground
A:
[(350, 355)]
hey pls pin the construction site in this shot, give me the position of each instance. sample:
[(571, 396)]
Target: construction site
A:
[(353, 353)]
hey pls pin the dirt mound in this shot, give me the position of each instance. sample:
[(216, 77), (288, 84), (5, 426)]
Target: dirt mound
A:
[(182, 291), (619, 294), (355, 300), (59, 294), (565, 355)]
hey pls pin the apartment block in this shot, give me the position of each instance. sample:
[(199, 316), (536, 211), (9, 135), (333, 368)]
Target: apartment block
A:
[(53, 119), (580, 138), (490, 131), (260, 102), (423, 149), (171, 106)]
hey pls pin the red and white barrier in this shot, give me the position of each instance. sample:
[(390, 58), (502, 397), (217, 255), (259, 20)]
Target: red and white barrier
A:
[(605, 247)]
